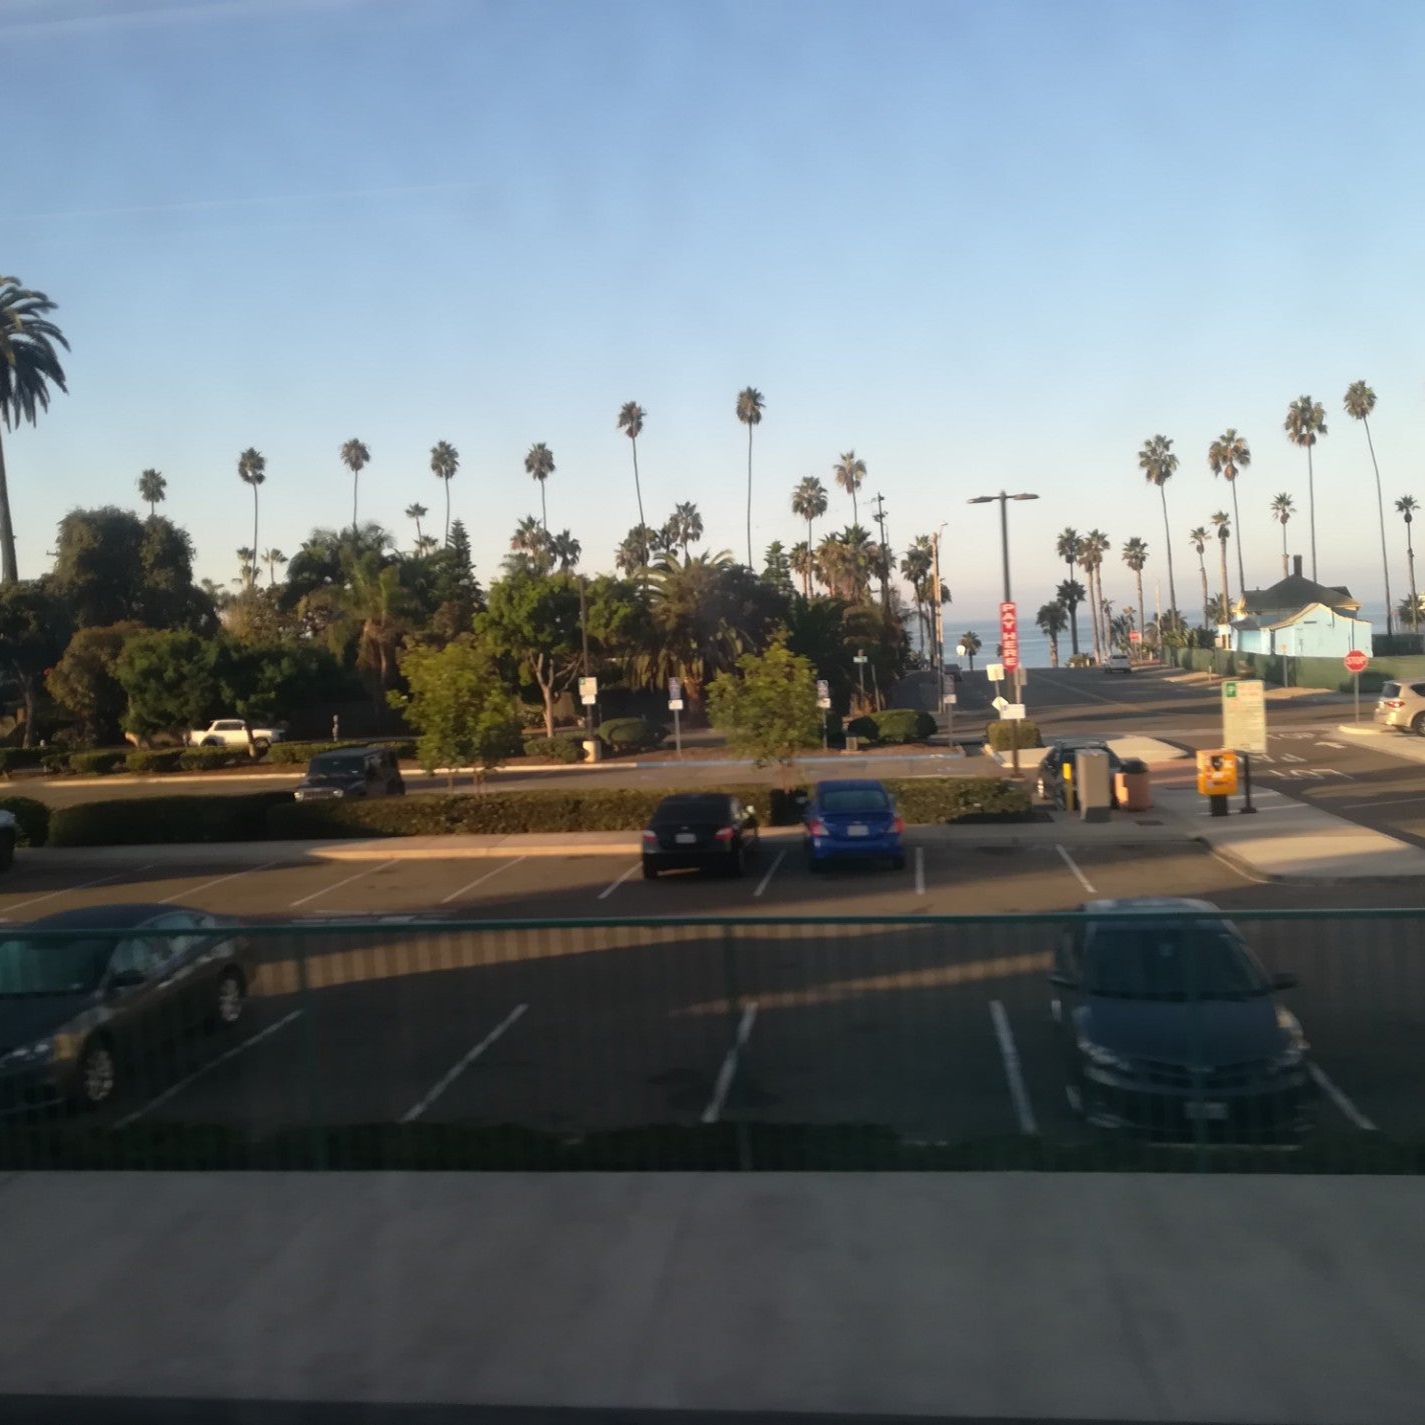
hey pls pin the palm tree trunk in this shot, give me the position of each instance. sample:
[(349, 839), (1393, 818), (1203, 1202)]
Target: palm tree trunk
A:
[(750, 564), (1222, 558), (1414, 597), (9, 571), (1168, 545), (806, 573), (1380, 510), (447, 520), (1142, 612), (1094, 615), (1073, 617), (1311, 501), (543, 508), (1053, 650), (637, 488), (1237, 525), (1286, 569), (255, 545), (354, 479)]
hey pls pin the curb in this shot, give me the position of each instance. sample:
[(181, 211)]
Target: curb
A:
[(1240, 863)]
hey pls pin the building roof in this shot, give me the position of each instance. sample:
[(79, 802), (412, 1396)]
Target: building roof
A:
[(1296, 591), (1285, 620)]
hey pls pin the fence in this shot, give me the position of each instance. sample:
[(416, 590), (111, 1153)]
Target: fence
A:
[(917, 1042)]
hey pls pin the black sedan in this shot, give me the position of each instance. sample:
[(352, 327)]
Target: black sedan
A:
[(88, 997), (1170, 1025), (1060, 755), (704, 829)]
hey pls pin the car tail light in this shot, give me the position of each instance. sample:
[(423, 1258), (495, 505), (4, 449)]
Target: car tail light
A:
[(650, 835), (899, 825), (723, 833), (1394, 702), (816, 826)]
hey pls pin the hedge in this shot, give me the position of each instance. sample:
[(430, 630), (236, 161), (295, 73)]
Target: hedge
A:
[(96, 764), (1001, 736), (563, 747), (55, 760), (12, 759), (210, 759), (31, 819), (153, 759), (293, 754), (632, 734), (139, 821), (893, 725)]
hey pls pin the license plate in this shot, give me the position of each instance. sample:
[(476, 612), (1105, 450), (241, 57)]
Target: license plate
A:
[(858, 829), (1214, 1112), (686, 838)]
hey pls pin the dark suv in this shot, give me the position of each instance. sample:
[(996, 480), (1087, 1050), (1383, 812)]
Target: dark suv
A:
[(1061, 753), (351, 772)]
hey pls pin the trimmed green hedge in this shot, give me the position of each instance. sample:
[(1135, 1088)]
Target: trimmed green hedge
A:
[(31, 819), (632, 734), (153, 759), (562, 747), (211, 759), (139, 821), (55, 760), (12, 759), (96, 764), (893, 726), (1001, 735), (298, 754)]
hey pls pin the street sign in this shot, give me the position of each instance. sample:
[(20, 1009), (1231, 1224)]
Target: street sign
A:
[(675, 705), (950, 700), (1000, 704), (994, 672), (859, 658), (1012, 712), (1356, 661), (675, 689), (1009, 635), (823, 693), (588, 691), (1244, 715), (1135, 635)]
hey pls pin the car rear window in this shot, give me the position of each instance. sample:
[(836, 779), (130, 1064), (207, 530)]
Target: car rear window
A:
[(1418, 689), (337, 764), (693, 809), (854, 799), (1390, 690)]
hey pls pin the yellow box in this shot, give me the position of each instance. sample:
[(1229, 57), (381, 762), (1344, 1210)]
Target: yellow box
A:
[(1217, 772)]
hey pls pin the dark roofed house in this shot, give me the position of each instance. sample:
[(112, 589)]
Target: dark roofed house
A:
[(1300, 618)]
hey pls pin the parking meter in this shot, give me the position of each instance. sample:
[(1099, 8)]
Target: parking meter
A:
[(1093, 783)]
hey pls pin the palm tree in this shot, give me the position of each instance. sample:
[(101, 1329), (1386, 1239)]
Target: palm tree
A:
[(803, 564), (247, 567), (1228, 456), (272, 558), (1198, 538), (1068, 546), (970, 642), (1100, 543), (1283, 507), (153, 488), (631, 553), (749, 412), (917, 565), (531, 541), (566, 550), (809, 503), (539, 466), (1071, 594), (1052, 620), (29, 365), (1305, 424), (1407, 612), (1222, 523), (849, 472), (1360, 402), (252, 468), (355, 456), (1135, 556), (1407, 507), (444, 462), (630, 422), (684, 526), (418, 513), (1157, 462), (1091, 550), (426, 544)]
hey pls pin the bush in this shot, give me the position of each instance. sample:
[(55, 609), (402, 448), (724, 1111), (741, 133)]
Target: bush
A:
[(138, 821), (1001, 735), (298, 754), (863, 727), (55, 760), (31, 819), (565, 747), (210, 759), (96, 764), (943, 799), (157, 759), (631, 734), (1080, 660), (12, 759), (899, 725)]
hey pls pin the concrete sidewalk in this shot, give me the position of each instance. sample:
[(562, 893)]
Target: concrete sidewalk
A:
[(1387, 740), (1272, 1300)]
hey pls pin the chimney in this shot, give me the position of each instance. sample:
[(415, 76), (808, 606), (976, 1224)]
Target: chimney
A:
[(1296, 565)]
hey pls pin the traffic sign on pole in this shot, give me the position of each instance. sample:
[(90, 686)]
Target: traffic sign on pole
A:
[(1356, 661), (823, 693), (1000, 704), (1009, 636), (1244, 715), (994, 672), (588, 691)]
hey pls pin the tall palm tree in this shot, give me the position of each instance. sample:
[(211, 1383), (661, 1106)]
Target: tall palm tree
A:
[(247, 567), (1407, 507), (532, 541), (1052, 620), (355, 456), (153, 489), (809, 503), (802, 560), (970, 642), (917, 565), (272, 558), (444, 462), (29, 366), (1068, 546), (566, 550), (252, 469), (1100, 543), (1305, 424), (417, 512), (1198, 538), (1228, 456), (1157, 462), (1283, 507), (684, 526), (539, 466), (1071, 594), (630, 421), (1222, 523), (1360, 402), (1135, 556), (850, 472), (749, 411)]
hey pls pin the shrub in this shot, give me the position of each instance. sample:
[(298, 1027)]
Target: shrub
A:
[(298, 754), (942, 799), (138, 821), (96, 764), (31, 819), (55, 760), (1080, 660), (631, 734), (903, 725), (564, 747), (1001, 735), (12, 759), (863, 727), (210, 759), (157, 759)]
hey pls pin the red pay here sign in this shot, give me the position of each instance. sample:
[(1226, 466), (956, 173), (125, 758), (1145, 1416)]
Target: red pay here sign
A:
[(1009, 637)]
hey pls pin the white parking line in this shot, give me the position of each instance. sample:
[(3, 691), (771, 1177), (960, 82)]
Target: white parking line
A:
[(208, 885), (82, 886), (480, 880), (445, 1082), (327, 890), (1070, 863), (1340, 1100), (1380, 805), (175, 1089), (612, 886), (920, 870), (728, 1072), (771, 871), (1010, 1054)]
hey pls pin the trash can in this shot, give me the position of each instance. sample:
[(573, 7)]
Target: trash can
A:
[(1132, 789), (593, 750), (853, 744)]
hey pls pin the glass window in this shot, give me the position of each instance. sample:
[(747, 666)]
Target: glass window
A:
[(52, 967), (137, 955), (849, 800), (1170, 962)]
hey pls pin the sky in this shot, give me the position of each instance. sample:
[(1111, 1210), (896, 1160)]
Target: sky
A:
[(985, 245)]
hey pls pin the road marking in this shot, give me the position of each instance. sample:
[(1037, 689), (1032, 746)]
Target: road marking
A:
[(480, 880), (1340, 1099), (175, 1089), (1292, 757), (208, 885), (82, 886), (1010, 1054), (609, 889), (1378, 805), (327, 890), (771, 871), (1339, 746), (413, 1113), (1232, 866), (920, 870), (1082, 879), (728, 1072)]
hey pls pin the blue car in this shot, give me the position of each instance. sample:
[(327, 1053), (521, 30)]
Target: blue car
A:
[(852, 820)]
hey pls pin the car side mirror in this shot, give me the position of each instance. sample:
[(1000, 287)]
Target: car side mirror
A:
[(1285, 981), (1061, 981)]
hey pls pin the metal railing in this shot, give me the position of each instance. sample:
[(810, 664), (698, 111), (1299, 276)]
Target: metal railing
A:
[(855, 1042)]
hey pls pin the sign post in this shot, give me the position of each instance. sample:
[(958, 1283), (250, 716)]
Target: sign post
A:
[(1356, 663), (675, 706), (1009, 657), (1244, 726), (823, 701)]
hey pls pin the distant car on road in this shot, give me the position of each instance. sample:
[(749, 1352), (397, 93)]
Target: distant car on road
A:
[(9, 835), (1118, 663), (1167, 1022), (713, 831), (351, 772), (852, 820), (88, 996), (232, 732), (1402, 706), (1050, 785)]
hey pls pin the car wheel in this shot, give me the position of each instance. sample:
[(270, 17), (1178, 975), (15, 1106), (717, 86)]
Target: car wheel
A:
[(734, 866), (650, 871), (98, 1074), (898, 863), (231, 999), (212, 742), (260, 744), (1418, 725), (7, 850)]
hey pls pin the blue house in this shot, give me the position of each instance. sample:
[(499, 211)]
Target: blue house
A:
[(1299, 618)]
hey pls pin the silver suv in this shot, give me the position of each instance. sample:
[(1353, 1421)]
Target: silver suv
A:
[(1402, 705)]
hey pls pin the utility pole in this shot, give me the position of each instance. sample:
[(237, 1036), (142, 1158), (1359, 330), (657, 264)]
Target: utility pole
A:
[(885, 550), (937, 647), (584, 633)]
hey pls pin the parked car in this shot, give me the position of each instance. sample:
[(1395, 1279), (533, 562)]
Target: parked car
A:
[(1168, 1023), (1118, 663), (9, 836), (1402, 706), (232, 732), (852, 820), (1050, 785), (709, 830), (88, 996), (351, 772)]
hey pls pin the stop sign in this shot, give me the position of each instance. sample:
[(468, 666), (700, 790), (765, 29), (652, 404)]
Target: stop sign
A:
[(1356, 661)]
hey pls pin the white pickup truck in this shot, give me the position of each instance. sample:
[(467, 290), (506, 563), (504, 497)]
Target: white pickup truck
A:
[(232, 732)]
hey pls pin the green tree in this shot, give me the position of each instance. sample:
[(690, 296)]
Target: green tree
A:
[(917, 566), (970, 642), (767, 709), (35, 626), (459, 708), (632, 553), (153, 489), (355, 456), (1305, 424), (539, 466), (749, 411), (566, 550), (1360, 402), (272, 558), (29, 366), (533, 620), (417, 512), (1067, 545), (444, 462), (1283, 507), (1222, 523), (82, 682), (1071, 594), (1158, 463), (809, 503), (630, 421), (1052, 620), (1198, 539), (850, 473), (170, 681), (1407, 507), (533, 548), (684, 527), (262, 681), (803, 563), (776, 567), (252, 470), (1092, 547), (1228, 456), (1135, 556)]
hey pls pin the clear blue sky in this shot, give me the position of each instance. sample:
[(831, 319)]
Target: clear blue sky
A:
[(984, 244)]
